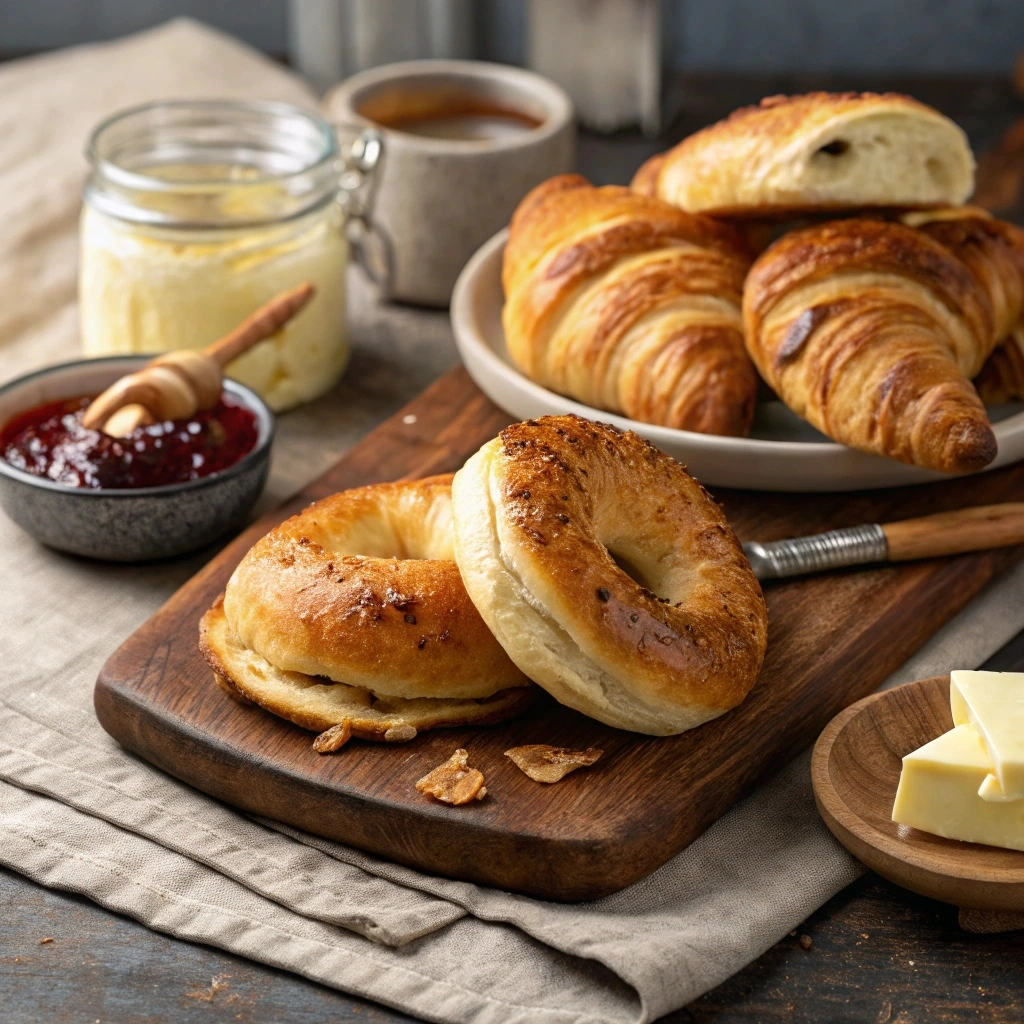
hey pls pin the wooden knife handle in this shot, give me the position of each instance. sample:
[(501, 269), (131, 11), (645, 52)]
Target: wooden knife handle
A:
[(266, 321), (951, 533)]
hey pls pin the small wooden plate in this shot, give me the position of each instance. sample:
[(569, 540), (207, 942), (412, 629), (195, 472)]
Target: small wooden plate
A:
[(855, 769)]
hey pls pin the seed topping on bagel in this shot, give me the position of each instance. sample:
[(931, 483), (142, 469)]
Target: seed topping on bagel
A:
[(608, 574), (362, 588)]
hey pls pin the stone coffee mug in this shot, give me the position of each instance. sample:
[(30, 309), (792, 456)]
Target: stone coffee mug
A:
[(464, 141)]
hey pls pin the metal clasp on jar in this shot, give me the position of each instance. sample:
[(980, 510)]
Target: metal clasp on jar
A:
[(357, 188)]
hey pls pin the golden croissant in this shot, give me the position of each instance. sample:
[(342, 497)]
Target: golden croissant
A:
[(871, 331), (1002, 377), (628, 304), (994, 252)]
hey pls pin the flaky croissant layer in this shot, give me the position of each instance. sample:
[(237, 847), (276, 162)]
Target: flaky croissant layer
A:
[(1002, 377), (626, 304)]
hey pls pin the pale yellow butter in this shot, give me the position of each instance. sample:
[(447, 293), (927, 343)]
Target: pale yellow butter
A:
[(145, 289), (993, 702), (938, 793), (992, 791)]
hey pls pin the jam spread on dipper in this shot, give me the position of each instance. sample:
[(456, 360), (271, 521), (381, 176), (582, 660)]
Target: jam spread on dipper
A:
[(50, 441)]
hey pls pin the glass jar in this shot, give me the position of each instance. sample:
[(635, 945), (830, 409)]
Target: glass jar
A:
[(196, 213)]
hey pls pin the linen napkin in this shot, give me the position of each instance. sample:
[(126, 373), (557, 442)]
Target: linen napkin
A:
[(101, 822), (79, 813)]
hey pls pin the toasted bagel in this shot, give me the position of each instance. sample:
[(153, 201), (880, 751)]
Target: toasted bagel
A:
[(318, 704), (362, 588), (608, 575)]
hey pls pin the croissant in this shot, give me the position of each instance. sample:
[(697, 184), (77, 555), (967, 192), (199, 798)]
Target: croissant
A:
[(813, 152), (1002, 377), (871, 330), (628, 304), (994, 252)]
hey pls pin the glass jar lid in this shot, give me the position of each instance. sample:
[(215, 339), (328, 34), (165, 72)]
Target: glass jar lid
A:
[(212, 164)]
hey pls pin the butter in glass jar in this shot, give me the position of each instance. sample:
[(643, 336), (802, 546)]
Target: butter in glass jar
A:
[(197, 213)]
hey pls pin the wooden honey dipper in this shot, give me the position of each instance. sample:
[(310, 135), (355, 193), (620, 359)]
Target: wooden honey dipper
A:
[(178, 384)]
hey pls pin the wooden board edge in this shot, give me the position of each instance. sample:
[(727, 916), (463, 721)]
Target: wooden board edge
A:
[(541, 867)]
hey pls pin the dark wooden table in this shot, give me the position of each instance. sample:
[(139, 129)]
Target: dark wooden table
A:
[(874, 953)]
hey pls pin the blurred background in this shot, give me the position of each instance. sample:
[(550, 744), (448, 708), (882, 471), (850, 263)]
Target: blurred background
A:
[(642, 73), (912, 36)]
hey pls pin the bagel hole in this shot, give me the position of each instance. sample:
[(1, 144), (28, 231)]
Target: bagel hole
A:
[(667, 586), (628, 568), (631, 570)]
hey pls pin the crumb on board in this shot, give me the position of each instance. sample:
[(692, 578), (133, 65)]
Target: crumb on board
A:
[(544, 763), (206, 995), (333, 739), (805, 941), (46, 941), (454, 782)]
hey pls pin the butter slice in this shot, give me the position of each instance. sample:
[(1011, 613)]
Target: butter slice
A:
[(993, 702), (938, 793)]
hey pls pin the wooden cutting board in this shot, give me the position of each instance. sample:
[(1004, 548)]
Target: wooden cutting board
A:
[(832, 640)]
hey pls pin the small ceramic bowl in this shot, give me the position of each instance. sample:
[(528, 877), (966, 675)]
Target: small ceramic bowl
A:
[(127, 525)]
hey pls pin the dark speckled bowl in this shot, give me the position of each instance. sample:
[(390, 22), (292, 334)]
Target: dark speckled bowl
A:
[(127, 525)]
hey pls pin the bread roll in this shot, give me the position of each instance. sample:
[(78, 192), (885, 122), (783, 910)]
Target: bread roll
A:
[(819, 151)]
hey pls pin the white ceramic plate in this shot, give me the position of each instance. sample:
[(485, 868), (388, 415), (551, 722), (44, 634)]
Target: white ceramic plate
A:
[(783, 453)]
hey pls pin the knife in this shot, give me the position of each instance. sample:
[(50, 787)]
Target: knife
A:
[(944, 533)]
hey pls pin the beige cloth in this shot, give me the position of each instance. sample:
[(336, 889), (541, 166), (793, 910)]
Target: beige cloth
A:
[(78, 813), (48, 107)]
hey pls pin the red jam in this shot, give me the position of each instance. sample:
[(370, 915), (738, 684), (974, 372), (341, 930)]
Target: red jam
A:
[(51, 442)]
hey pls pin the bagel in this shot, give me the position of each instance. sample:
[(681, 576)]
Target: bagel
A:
[(361, 588), (319, 705), (608, 574)]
